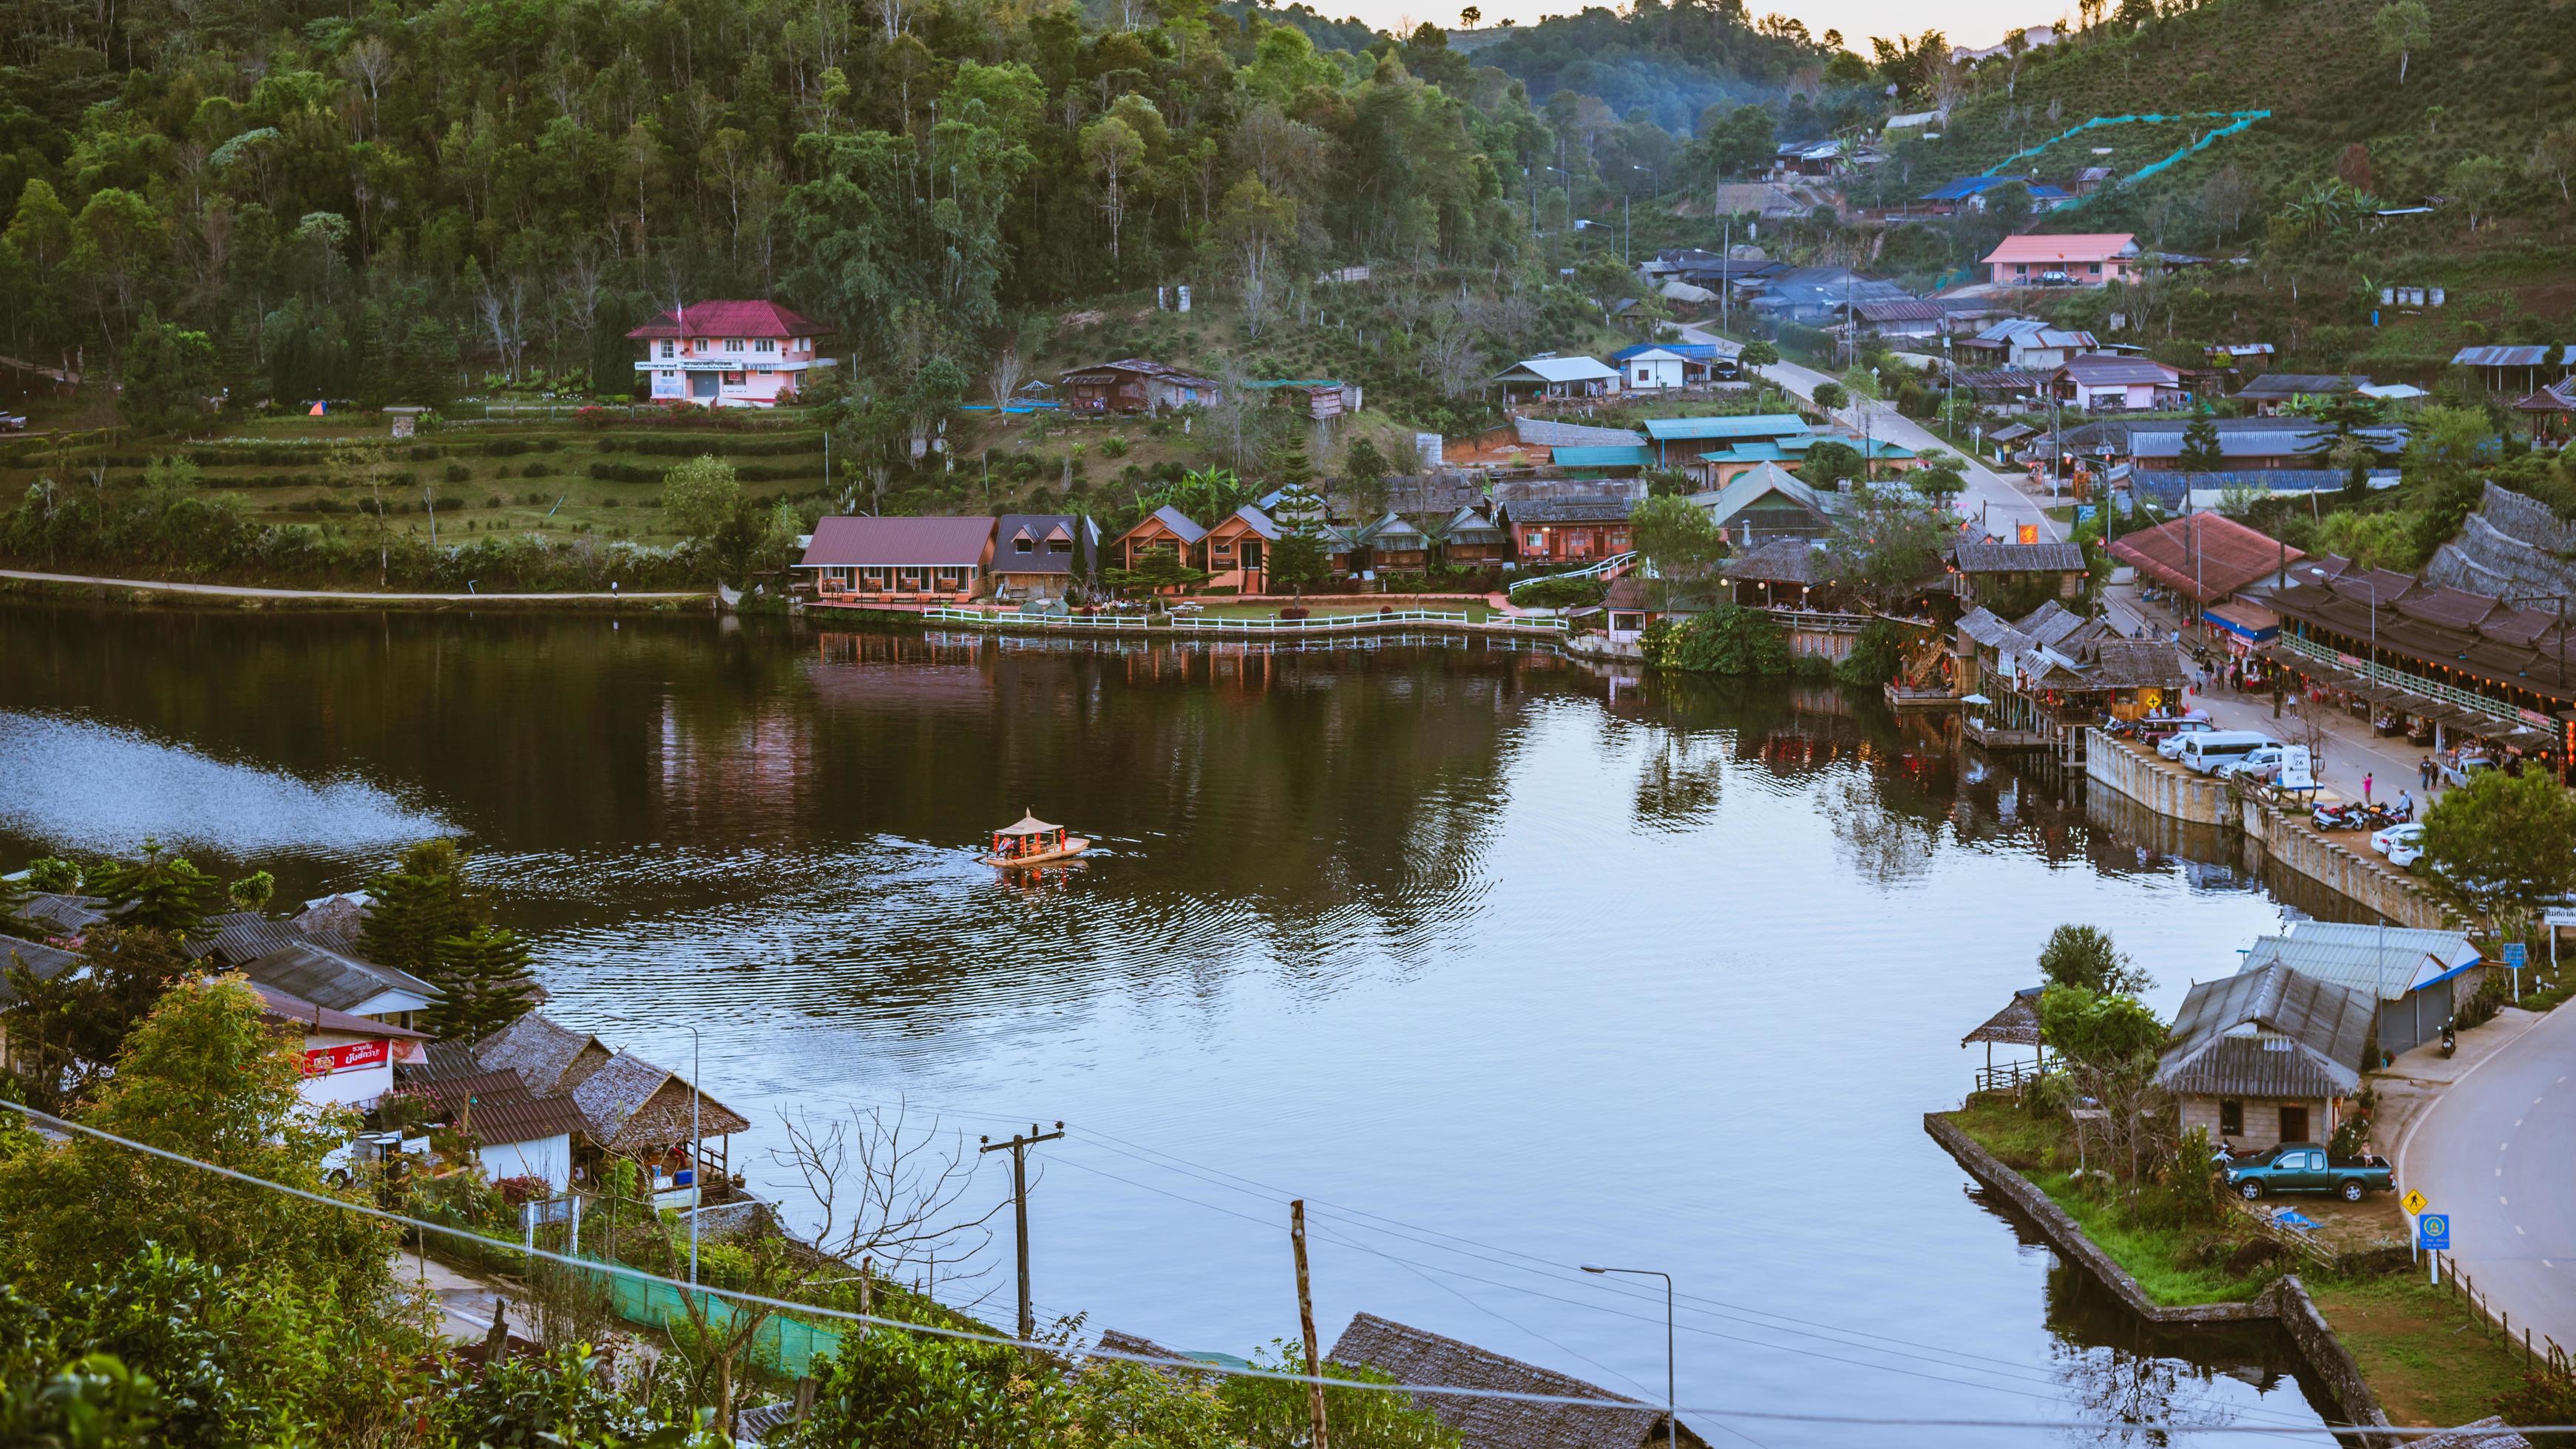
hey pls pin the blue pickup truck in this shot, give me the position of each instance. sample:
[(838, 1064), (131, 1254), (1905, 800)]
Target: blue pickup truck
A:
[(2305, 1167)]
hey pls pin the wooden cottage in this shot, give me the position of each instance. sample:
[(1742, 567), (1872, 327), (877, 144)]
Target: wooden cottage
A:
[(1237, 551), (899, 560), (1766, 503), (514, 1132), (1396, 546), (1137, 385), (1041, 557), (1472, 539), (1167, 529), (548, 1057), (1569, 530), (1994, 573)]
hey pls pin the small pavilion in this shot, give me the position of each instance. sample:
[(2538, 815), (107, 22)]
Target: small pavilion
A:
[(2016, 1025)]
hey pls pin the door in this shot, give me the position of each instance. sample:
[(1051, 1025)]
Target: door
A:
[(702, 384), (2294, 1128)]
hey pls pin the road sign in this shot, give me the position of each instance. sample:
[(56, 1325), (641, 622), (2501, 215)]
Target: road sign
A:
[(2435, 1229), (2516, 954), (2413, 1202)]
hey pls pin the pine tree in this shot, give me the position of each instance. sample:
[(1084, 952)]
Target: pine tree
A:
[(483, 976), (418, 904), (160, 892)]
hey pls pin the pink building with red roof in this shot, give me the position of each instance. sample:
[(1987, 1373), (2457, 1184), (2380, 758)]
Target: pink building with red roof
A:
[(2086, 259), (730, 354)]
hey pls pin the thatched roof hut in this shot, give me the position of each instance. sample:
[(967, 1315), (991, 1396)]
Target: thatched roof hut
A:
[(548, 1056), (2016, 1025), (636, 1108), (1416, 1357)]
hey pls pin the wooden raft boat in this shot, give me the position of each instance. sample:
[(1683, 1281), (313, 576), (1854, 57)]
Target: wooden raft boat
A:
[(1033, 842)]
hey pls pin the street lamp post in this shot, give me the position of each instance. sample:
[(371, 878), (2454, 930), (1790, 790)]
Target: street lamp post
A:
[(1672, 1401), (697, 1167)]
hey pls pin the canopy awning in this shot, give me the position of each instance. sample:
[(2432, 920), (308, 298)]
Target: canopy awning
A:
[(1029, 824)]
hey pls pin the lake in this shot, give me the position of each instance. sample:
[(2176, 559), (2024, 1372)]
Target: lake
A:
[(1501, 965)]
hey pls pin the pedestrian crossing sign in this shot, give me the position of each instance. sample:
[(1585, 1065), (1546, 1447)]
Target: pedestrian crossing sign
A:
[(2413, 1202)]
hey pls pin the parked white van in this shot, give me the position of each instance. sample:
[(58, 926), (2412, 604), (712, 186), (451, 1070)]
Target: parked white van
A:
[(2209, 749)]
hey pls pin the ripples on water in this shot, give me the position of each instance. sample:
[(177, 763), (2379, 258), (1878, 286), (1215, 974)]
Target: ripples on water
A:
[(1448, 936), (105, 790)]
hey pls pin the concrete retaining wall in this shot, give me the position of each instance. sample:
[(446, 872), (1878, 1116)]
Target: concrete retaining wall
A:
[(2158, 784), (2283, 833), (2286, 1301)]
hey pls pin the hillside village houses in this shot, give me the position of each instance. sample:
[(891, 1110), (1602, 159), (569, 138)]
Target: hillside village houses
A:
[(2088, 259), (730, 353)]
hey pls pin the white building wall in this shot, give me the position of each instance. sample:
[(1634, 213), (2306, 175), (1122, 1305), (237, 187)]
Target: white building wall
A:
[(547, 1157)]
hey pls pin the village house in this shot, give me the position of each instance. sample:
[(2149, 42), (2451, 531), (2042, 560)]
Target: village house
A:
[(1559, 377), (1766, 503), (514, 1132), (1822, 157), (1701, 362), (1786, 573), (1568, 530), (1472, 539), (2023, 344), (2104, 383), (730, 354), (1977, 193), (2205, 559), (1167, 529), (310, 971), (2419, 978), (1396, 546), (2265, 1057), (1722, 431), (1135, 385), (899, 560), (348, 1059), (1237, 551), (2516, 371), (1652, 369), (550, 1058), (1993, 573), (1412, 1356), (1041, 557), (2272, 393), (40, 960), (1624, 461), (2085, 259)]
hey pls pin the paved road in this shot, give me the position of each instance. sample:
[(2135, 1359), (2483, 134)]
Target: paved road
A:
[(1990, 496), (346, 596), (2497, 1151)]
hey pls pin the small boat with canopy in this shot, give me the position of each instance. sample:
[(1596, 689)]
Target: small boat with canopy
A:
[(1033, 842)]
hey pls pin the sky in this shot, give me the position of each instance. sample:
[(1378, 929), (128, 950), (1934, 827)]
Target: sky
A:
[(1965, 22)]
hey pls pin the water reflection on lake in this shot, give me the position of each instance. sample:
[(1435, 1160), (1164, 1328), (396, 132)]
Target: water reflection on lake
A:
[(1502, 971)]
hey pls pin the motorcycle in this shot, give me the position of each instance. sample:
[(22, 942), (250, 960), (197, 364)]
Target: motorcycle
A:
[(2450, 1039), (2345, 816)]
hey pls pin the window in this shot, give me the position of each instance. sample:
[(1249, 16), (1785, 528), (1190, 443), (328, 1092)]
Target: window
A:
[(1060, 546), (765, 344), (733, 344), (2095, 269), (667, 348), (2231, 1119)]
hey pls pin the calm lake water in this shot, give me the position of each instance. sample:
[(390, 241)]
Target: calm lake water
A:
[(1502, 969)]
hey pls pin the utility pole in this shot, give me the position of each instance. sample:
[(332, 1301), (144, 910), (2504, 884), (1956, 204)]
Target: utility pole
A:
[(1306, 1317), (1019, 1147), (1726, 276)]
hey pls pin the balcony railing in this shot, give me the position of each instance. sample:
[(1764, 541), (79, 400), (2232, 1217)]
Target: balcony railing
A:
[(2399, 679)]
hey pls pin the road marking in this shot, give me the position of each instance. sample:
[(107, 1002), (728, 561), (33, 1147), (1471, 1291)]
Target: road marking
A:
[(2517, 1230), (2499, 1172), (2517, 1121)]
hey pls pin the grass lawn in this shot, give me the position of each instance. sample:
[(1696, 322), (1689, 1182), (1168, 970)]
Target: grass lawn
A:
[(2155, 1256), (2426, 1356)]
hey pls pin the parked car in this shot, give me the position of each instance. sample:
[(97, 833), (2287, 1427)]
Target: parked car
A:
[(2168, 734), (2304, 1167), (2055, 279), (2402, 844), (2262, 764)]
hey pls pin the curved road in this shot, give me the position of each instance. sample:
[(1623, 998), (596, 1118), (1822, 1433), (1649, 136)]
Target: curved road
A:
[(2499, 1155), (1989, 496), (347, 596)]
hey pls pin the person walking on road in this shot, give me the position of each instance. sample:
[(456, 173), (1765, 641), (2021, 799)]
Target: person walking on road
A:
[(2405, 807), (2365, 787), (2424, 774)]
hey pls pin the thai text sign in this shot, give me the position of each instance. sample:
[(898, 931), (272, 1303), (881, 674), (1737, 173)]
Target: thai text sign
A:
[(347, 1057)]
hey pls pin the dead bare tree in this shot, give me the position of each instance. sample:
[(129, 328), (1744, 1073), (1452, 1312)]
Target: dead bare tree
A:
[(1004, 378), (887, 1194)]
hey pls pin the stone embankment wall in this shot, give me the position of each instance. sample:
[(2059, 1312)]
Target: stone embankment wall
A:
[(2283, 832), (2285, 1302)]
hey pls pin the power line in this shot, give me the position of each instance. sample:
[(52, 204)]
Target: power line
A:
[(1216, 1370), (1700, 1304)]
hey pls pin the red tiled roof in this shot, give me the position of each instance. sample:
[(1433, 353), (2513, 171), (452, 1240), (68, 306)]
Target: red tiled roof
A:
[(2204, 555), (898, 542), (733, 319)]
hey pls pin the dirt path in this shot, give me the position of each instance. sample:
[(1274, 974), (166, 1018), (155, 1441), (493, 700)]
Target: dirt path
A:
[(346, 596)]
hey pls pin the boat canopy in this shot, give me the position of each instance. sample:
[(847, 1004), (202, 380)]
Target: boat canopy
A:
[(1029, 824)]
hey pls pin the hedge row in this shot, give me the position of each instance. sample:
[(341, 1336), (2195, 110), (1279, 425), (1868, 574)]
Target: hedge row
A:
[(748, 473), (722, 446)]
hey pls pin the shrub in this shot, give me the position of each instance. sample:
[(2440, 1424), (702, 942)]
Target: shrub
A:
[(458, 473), (1725, 640), (1560, 593), (537, 470)]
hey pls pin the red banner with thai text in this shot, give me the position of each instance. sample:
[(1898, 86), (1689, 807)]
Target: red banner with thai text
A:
[(347, 1057)]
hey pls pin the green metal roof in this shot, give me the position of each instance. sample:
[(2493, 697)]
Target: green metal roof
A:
[(1633, 457)]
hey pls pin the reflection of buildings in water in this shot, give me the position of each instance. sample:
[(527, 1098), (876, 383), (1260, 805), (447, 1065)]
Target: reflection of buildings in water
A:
[(737, 770)]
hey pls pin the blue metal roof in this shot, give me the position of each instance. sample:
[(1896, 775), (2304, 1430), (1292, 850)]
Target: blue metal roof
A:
[(1967, 186), (1755, 425), (1695, 351), (1601, 457)]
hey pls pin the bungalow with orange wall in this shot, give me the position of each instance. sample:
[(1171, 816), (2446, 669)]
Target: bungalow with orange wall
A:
[(1237, 551)]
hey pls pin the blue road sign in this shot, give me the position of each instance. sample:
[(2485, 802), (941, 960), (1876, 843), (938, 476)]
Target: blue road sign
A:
[(2516, 955), (2084, 512), (2436, 1231)]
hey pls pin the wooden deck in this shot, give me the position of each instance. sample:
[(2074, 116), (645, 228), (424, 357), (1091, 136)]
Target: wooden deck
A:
[(1919, 701), (1989, 737)]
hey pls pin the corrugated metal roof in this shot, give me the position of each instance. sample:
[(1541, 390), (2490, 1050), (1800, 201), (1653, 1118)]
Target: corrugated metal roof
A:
[(1563, 369), (1742, 425), (2387, 961), (2003, 558), (2503, 356), (845, 542), (1634, 456), (1416, 1357), (340, 982), (2267, 1032)]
